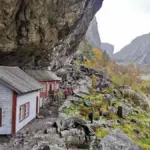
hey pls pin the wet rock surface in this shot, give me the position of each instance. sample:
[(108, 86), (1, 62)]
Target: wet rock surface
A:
[(43, 33)]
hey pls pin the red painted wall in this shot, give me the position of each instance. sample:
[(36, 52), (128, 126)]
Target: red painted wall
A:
[(48, 91), (54, 83), (43, 93)]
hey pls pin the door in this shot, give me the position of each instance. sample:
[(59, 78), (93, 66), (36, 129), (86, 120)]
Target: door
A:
[(51, 89), (37, 105)]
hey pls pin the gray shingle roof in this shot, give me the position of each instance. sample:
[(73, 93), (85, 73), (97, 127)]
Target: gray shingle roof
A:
[(18, 80), (43, 75)]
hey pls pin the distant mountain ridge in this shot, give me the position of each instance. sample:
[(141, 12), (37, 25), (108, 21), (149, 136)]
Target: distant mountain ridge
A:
[(92, 34), (93, 37), (138, 51), (108, 48)]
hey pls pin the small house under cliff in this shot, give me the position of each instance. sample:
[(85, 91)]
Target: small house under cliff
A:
[(50, 81), (19, 99)]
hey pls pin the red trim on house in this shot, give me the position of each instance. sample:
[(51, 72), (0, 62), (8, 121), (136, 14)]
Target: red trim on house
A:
[(54, 81), (14, 106)]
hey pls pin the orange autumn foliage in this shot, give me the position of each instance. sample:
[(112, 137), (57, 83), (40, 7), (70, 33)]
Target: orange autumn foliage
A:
[(97, 61), (98, 54)]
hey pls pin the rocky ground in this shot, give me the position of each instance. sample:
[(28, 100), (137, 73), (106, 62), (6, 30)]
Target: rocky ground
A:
[(124, 126), (126, 113), (29, 137)]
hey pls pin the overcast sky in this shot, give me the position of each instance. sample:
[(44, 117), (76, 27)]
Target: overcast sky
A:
[(120, 21)]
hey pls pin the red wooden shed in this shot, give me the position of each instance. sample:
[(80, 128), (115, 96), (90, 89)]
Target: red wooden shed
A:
[(50, 81)]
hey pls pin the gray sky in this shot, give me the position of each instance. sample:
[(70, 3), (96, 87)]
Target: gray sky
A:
[(120, 21)]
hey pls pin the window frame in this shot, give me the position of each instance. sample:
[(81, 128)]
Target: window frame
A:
[(26, 111)]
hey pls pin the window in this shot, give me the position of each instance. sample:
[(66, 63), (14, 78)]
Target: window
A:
[(0, 117), (24, 111), (44, 88)]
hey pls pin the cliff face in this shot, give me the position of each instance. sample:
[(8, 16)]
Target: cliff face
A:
[(36, 33), (138, 51), (92, 34)]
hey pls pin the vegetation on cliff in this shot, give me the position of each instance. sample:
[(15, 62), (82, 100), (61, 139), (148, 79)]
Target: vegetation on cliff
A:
[(135, 121)]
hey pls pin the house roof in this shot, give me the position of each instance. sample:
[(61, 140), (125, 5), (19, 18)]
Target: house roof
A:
[(43, 75), (18, 80)]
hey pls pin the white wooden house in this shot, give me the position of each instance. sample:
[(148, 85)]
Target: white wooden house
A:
[(19, 99)]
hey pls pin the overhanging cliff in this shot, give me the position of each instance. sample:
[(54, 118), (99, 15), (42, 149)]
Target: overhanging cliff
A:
[(38, 34)]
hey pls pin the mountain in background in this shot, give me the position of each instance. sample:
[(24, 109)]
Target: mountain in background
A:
[(92, 34), (108, 48), (138, 51)]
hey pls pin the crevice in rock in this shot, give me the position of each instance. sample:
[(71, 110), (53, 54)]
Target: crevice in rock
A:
[(21, 23)]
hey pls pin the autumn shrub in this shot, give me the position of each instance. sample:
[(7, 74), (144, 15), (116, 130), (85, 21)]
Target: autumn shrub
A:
[(112, 115), (104, 107), (84, 111), (120, 74), (99, 59), (96, 105), (125, 75)]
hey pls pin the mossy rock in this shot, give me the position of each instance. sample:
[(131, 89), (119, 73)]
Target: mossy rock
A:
[(102, 132), (138, 98)]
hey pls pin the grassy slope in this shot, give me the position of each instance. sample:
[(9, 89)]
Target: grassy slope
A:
[(82, 111)]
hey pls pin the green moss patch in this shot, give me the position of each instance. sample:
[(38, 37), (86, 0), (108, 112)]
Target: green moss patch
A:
[(129, 130), (102, 132)]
